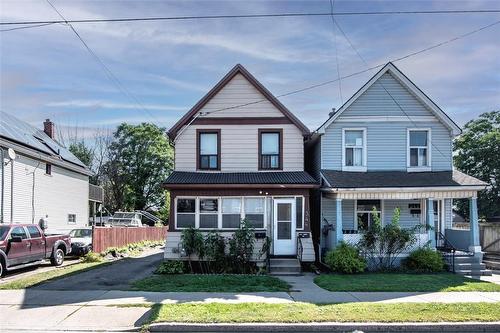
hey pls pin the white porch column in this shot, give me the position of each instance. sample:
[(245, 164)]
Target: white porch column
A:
[(475, 245), (430, 221), (338, 220)]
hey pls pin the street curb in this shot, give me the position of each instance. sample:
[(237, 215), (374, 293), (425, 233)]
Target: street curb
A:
[(328, 327)]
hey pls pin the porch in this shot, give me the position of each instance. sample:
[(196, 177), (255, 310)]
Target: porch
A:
[(424, 200)]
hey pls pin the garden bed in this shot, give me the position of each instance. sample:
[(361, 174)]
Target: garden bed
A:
[(210, 283), (401, 282)]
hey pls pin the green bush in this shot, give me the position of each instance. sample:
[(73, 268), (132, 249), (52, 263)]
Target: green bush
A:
[(171, 267), (92, 257), (345, 259), (424, 260)]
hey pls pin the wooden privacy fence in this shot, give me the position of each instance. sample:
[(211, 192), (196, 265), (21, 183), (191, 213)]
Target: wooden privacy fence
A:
[(104, 237), (490, 237)]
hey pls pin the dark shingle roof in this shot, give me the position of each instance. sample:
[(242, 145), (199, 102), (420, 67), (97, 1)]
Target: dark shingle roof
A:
[(285, 177), (374, 179)]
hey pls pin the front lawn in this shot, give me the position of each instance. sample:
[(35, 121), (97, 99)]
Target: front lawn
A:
[(306, 312), (57, 273), (402, 282), (210, 283)]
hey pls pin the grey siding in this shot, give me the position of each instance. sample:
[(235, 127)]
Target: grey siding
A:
[(448, 214), (387, 140), (406, 219), (329, 212)]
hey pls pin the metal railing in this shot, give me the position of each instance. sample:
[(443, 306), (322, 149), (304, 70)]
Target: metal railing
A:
[(447, 250), (96, 193)]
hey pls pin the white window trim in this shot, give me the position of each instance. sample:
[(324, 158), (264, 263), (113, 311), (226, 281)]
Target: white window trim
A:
[(410, 168), (362, 168), (69, 222), (303, 210), (364, 211), (219, 213)]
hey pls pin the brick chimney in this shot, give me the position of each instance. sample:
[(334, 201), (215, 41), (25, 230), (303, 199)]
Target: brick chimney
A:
[(49, 128)]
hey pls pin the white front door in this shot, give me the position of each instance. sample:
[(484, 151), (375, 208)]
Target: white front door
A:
[(284, 237)]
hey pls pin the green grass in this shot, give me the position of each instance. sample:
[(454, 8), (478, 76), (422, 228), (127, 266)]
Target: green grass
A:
[(402, 282), (60, 272), (210, 283), (306, 312)]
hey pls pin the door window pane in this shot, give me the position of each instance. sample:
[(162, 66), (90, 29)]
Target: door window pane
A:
[(18, 232), (284, 230), (298, 212), (284, 212), (33, 231)]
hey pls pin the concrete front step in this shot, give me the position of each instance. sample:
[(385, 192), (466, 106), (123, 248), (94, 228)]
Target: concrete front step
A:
[(484, 272), (470, 266), (492, 264), (289, 269), (284, 266)]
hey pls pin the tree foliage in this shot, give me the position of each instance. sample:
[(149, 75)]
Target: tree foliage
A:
[(83, 152), (477, 153)]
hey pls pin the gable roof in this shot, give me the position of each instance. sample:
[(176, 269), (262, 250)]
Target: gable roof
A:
[(238, 69), (405, 82), (23, 134)]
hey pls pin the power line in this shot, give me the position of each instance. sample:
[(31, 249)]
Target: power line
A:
[(27, 27), (108, 72), (332, 4), (211, 17), (317, 85)]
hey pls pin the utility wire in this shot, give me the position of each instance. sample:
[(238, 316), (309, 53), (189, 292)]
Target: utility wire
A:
[(317, 85), (386, 90), (27, 27), (211, 17), (108, 72), (332, 4)]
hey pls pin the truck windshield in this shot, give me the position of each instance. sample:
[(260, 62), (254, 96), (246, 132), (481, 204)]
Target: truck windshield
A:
[(80, 233), (3, 232)]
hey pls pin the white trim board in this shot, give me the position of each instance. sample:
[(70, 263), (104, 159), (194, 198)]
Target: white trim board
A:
[(398, 75)]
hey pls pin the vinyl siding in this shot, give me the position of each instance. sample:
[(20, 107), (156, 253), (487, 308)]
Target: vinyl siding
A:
[(239, 148), (406, 219), (387, 141), (62, 193), (329, 212), (240, 91)]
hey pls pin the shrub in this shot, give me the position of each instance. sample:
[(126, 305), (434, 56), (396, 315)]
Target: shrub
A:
[(92, 257), (424, 260), (171, 267), (345, 259), (215, 252), (241, 246)]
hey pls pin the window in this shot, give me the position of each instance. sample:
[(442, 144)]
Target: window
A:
[(254, 212), (364, 212), (186, 213), (72, 218), (209, 213), (270, 149), (33, 231), (231, 213), (18, 232), (208, 149), (299, 212), (354, 150), (48, 169), (418, 148)]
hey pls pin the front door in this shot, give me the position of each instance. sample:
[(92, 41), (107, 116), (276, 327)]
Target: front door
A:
[(284, 237)]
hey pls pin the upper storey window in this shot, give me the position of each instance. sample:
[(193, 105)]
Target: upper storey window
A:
[(354, 149), (270, 149), (419, 149), (208, 150)]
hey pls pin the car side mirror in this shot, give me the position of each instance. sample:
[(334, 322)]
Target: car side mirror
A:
[(16, 239)]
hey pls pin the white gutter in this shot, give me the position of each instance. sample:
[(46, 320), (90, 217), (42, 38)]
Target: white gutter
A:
[(406, 189)]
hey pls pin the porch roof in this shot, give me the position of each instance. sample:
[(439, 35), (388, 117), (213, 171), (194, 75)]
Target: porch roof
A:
[(399, 179), (184, 179)]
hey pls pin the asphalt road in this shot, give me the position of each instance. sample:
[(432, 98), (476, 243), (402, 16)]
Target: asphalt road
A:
[(116, 276)]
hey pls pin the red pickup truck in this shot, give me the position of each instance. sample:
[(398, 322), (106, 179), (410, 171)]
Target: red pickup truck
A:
[(24, 245)]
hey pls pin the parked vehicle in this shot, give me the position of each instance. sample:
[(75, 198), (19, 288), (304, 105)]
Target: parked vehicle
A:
[(81, 241), (23, 245), (139, 218)]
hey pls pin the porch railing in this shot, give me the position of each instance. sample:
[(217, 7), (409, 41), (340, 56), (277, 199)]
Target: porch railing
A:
[(447, 250)]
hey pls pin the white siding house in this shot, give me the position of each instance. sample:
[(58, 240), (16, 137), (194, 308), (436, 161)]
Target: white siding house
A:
[(43, 179)]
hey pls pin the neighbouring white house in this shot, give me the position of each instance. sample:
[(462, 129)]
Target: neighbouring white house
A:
[(40, 177)]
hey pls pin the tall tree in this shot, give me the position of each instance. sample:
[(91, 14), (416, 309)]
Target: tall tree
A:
[(477, 153), (83, 152), (140, 160)]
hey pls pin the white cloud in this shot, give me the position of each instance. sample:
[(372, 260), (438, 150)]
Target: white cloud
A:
[(81, 103)]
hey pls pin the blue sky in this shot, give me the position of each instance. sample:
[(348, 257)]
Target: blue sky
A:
[(169, 66)]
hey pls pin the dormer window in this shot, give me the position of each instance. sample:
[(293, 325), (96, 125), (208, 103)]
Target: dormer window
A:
[(354, 149), (208, 152), (418, 158), (270, 149)]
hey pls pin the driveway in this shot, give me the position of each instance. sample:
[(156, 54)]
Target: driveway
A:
[(116, 276)]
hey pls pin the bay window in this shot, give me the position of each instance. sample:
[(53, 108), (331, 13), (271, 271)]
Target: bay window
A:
[(354, 149), (418, 148), (365, 212)]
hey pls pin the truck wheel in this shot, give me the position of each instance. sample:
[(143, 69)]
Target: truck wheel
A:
[(58, 257), (2, 268)]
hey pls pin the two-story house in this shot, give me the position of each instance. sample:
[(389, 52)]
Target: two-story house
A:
[(239, 154), (390, 146)]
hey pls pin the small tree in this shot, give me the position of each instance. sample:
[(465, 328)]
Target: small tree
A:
[(193, 243), (382, 244), (215, 252), (241, 248)]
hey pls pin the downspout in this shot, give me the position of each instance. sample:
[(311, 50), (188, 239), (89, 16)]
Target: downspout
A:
[(33, 192), (12, 192)]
